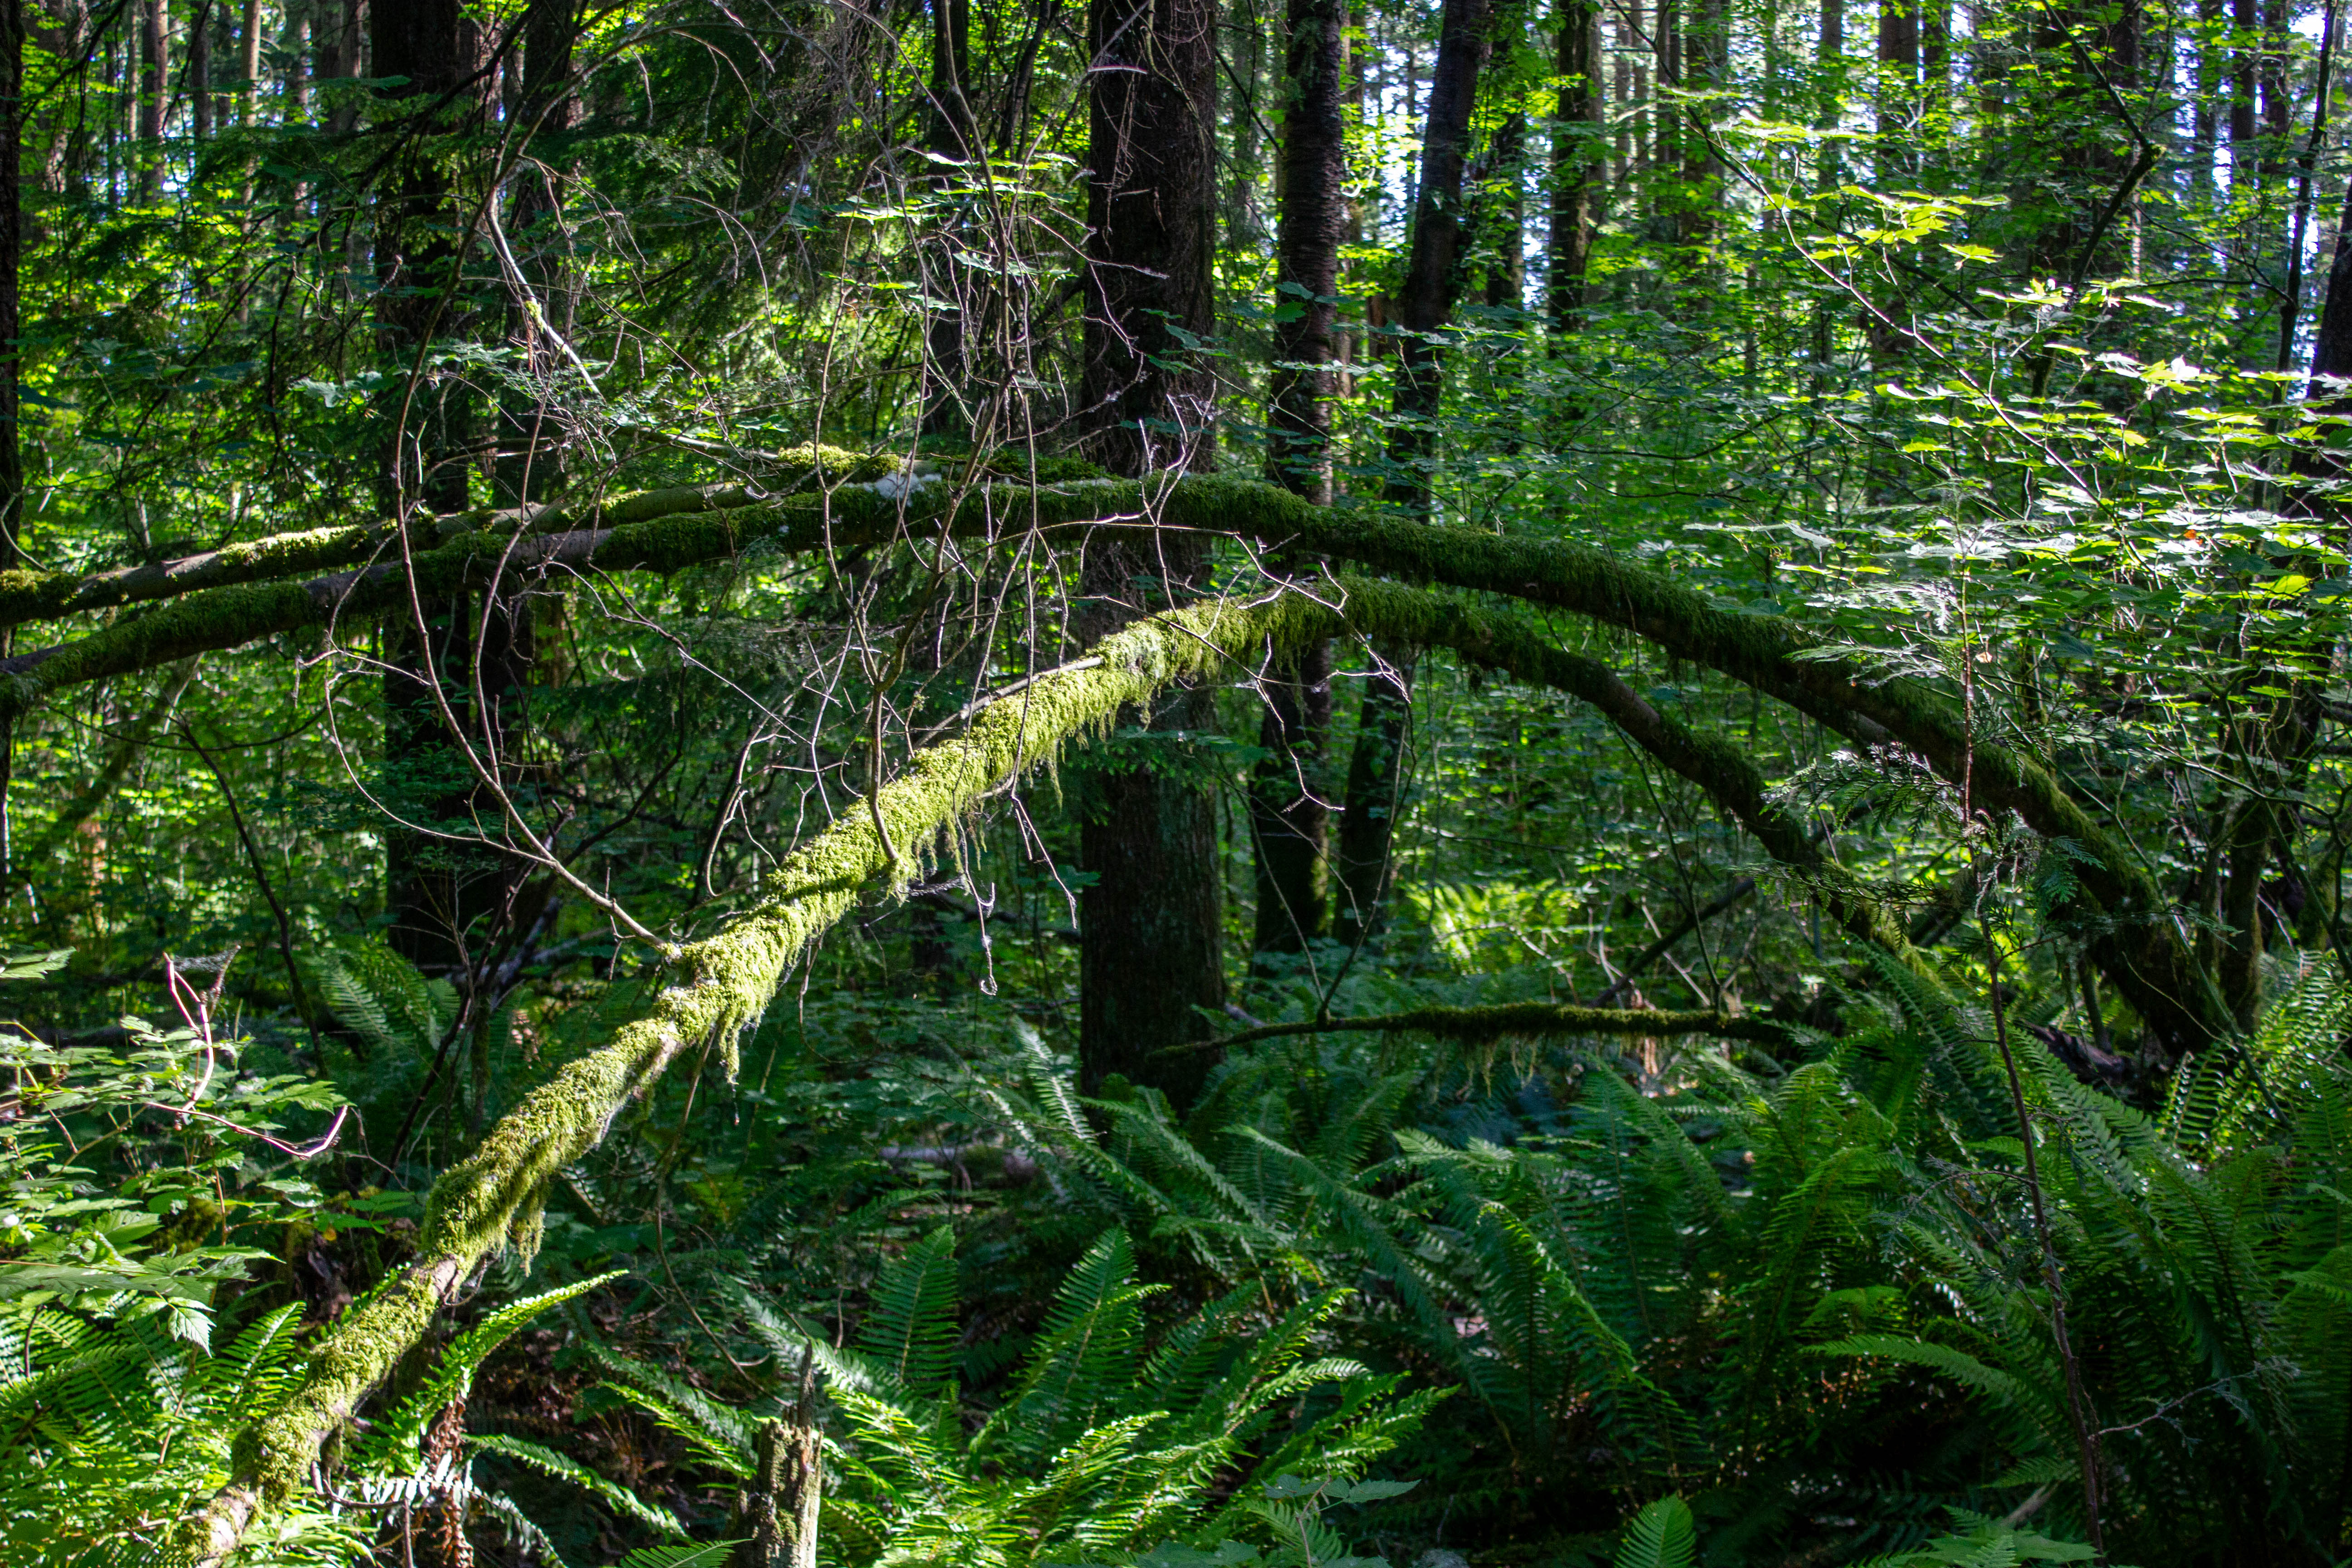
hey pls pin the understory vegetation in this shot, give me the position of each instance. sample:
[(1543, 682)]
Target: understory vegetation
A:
[(1168, 784)]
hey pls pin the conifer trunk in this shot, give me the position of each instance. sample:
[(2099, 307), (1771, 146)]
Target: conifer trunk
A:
[(1433, 265), (434, 45), (200, 72), (953, 135), (155, 86), (1152, 951), (1313, 221), (1576, 151), (1290, 794), (1432, 284), (12, 455)]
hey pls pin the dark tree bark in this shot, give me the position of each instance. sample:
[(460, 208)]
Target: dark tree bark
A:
[(1289, 795), (953, 134), (292, 40), (154, 88), (530, 464), (1898, 70), (434, 889), (1576, 177), (1376, 779), (1706, 65), (2331, 349), (1432, 278), (200, 71), (1152, 207), (248, 61), (1313, 221), (2275, 91), (1432, 285), (335, 37), (1152, 951)]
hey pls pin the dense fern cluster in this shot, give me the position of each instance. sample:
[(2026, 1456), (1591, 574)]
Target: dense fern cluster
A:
[(1365, 1297)]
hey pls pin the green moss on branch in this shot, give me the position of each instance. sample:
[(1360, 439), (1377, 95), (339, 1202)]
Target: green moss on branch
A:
[(50, 595), (719, 986), (2136, 945)]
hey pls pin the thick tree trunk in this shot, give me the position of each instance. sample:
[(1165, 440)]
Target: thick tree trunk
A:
[(951, 134), (293, 40), (154, 88), (1289, 794), (1898, 70), (1376, 781), (200, 71), (2276, 90), (1433, 283), (1152, 952), (1432, 278), (1576, 155), (1706, 67), (432, 888), (530, 464), (248, 60), (1313, 222)]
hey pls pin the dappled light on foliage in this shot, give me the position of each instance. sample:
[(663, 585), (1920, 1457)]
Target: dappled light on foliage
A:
[(1369, 783)]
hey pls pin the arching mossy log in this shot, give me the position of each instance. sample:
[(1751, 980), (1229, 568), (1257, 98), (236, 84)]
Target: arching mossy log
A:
[(1502, 640), (722, 982), (27, 596), (2132, 937), (720, 985)]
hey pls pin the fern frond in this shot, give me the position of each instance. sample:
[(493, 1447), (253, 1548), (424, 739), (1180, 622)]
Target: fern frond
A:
[(548, 1462), (910, 1328), (1662, 1535), (395, 1441)]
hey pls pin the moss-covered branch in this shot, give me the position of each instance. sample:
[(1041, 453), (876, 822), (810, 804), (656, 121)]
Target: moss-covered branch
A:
[(2138, 945), (26, 595), (675, 535), (227, 617), (1510, 642), (719, 986), (2135, 942), (1519, 1020), (721, 983)]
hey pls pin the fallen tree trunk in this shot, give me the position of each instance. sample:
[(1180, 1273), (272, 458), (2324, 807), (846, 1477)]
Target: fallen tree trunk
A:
[(725, 981), (27, 596), (2134, 938), (723, 984)]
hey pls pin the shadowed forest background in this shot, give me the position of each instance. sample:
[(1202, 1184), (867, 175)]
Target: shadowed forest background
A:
[(1175, 784)]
